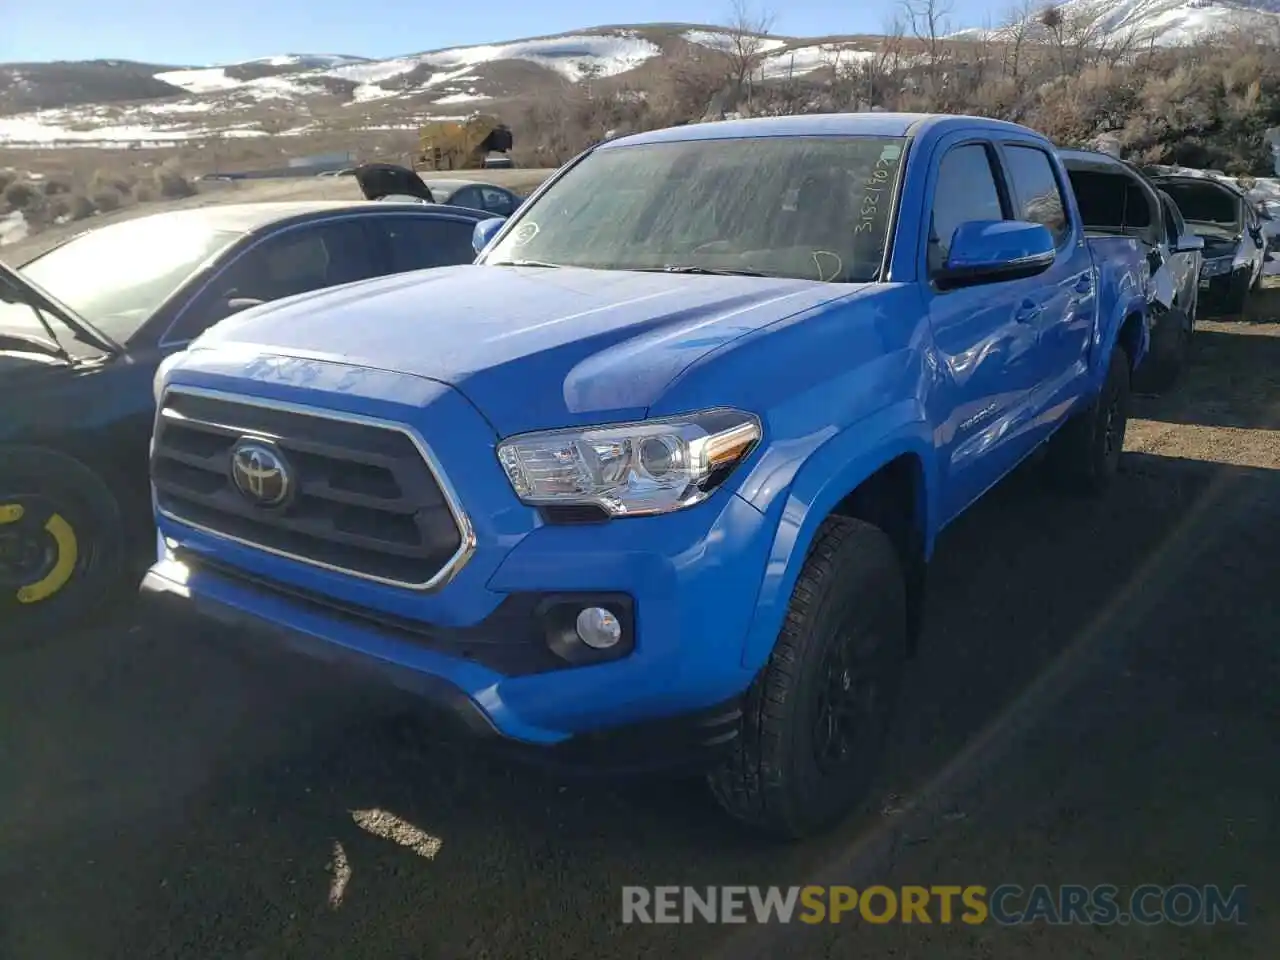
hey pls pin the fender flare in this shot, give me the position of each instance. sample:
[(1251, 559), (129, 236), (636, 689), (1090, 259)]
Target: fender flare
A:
[(1136, 303), (826, 477)]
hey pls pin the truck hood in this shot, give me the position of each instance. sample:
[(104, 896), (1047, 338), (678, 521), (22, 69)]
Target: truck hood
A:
[(531, 347)]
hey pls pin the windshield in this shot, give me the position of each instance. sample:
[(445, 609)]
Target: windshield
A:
[(1205, 203), (816, 208), (116, 276)]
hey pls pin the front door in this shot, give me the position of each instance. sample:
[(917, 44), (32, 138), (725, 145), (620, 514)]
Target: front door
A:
[(984, 334)]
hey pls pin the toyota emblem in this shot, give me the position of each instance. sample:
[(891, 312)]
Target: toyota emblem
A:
[(261, 473)]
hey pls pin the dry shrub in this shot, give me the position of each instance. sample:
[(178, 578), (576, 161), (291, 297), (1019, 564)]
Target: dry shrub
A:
[(21, 195), (56, 186), (107, 199), (172, 183), (112, 181), (80, 207)]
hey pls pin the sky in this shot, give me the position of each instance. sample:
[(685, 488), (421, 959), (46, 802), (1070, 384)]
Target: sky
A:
[(198, 32)]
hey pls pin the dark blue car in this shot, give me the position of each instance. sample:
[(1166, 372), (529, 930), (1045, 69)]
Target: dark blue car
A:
[(83, 328)]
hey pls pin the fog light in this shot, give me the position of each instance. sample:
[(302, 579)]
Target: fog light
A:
[(598, 628)]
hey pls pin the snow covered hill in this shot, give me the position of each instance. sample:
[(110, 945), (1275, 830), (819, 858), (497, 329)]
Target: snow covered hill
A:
[(112, 103), (300, 93), (1168, 22)]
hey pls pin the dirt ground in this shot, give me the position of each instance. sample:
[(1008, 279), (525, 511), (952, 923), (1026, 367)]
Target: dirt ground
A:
[(1097, 701), (252, 191)]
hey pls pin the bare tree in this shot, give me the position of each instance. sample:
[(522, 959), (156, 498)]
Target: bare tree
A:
[(1019, 28), (930, 23), (748, 31)]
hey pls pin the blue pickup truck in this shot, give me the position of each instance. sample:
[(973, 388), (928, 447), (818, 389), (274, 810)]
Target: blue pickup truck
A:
[(655, 482)]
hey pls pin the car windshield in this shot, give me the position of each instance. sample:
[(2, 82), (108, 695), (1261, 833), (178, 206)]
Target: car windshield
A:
[(817, 208), (117, 276)]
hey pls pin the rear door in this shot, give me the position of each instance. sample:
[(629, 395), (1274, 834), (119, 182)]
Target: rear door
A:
[(412, 241), (1062, 300)]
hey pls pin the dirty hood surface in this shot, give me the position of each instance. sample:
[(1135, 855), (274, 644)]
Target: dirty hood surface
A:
[(531, 347)]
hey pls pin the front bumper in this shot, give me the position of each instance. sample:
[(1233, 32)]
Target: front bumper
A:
[(688, 742), (1224, 293), (689, 581)]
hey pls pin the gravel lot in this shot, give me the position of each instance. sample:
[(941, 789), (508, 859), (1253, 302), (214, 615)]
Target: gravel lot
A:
[(1096, 701)]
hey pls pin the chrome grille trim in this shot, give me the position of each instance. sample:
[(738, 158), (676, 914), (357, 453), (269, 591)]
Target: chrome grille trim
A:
[(466, 531)]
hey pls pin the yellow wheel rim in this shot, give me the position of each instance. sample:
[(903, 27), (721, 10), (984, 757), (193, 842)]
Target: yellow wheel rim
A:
[(64, 537)]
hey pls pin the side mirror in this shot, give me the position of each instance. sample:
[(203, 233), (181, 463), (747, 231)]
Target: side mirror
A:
[(236, 304), (987, 251), (485, 231), (1188, 243)]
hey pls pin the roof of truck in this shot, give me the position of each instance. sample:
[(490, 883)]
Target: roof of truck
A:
[(817, 125)]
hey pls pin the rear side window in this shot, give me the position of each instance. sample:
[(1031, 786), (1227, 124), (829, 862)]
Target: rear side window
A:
[(966, 190), (498, 202), (416, 243), (1039, 198)]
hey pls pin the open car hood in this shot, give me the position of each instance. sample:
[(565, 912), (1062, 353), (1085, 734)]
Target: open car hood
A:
[(46, 301)]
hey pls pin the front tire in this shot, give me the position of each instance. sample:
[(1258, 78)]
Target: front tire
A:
[(61, 541), (1084, 456), (816, 718)]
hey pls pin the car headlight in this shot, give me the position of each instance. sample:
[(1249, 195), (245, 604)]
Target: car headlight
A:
[(162, 373), (655, 466), (1215, 268)]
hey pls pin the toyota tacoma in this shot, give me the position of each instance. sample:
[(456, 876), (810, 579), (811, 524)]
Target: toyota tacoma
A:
[(656, 480)]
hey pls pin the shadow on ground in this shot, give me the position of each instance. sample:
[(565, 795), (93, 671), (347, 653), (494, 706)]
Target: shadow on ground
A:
[(1233, 381)]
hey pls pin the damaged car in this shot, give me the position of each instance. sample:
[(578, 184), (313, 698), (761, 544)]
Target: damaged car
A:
[(1117, 199), (1234, 244)]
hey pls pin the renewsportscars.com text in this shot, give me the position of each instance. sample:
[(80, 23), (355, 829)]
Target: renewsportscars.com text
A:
[(1006, 905)]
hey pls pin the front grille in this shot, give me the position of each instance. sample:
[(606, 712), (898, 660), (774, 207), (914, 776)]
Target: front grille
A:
[(365, 499)]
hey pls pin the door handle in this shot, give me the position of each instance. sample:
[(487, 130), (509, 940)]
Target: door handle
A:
[(1084, 283), (1027, 311)]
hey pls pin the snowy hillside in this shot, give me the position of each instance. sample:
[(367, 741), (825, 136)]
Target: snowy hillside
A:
[(110, 102), (299, 93), (1168, 22)]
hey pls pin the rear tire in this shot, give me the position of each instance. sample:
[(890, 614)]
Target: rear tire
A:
[(1084, 456), (816, 718), (62, 542), (1170, 347)]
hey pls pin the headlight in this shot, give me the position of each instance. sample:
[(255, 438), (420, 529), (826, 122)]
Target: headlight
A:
[(1215, 268), (633, 469), (162, 372)]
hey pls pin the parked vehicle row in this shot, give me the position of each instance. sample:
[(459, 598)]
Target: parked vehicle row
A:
[(1116, 199)]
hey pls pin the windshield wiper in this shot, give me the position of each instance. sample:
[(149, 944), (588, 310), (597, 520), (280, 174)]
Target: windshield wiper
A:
[(522, 263), (709, 271), (20, 341)]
